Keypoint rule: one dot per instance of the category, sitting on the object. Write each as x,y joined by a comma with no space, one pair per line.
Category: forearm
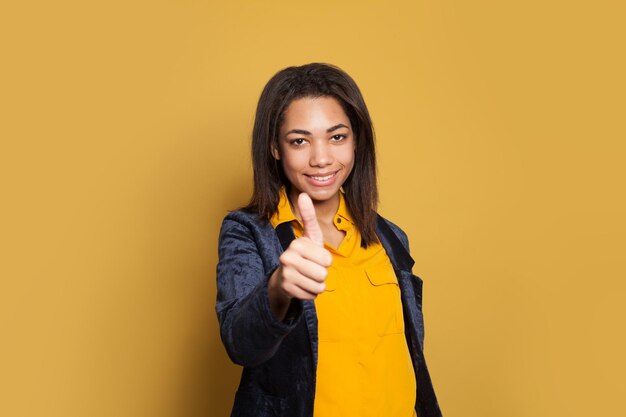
278,299
250,330
251,316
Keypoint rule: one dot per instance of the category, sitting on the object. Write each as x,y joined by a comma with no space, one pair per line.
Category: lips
322,179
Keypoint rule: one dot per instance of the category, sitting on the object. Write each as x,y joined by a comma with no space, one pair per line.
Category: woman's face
316,147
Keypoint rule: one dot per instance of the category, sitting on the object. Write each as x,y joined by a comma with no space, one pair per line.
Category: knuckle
325,257
324,273
287,276
286,258
297,244
289,289
318,273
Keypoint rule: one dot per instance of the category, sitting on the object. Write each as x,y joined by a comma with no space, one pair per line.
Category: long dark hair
314,80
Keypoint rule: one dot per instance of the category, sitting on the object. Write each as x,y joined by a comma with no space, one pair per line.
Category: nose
321,154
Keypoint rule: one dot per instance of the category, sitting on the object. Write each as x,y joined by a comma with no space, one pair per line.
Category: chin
322,195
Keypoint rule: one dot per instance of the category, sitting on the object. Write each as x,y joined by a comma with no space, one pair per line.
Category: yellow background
125,132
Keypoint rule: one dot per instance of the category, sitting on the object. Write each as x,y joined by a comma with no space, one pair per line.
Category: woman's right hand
303,266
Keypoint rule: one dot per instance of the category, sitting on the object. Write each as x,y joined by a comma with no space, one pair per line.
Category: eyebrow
306,132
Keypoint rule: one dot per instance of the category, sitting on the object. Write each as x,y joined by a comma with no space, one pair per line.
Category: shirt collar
284,213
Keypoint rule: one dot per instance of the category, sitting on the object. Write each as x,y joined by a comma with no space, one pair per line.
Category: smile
322,179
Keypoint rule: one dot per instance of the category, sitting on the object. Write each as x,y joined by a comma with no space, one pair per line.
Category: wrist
279,300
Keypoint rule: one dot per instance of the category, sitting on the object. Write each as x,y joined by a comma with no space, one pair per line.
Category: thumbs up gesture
303,266
312,228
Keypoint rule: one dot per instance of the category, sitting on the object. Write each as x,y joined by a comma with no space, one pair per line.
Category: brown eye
298,141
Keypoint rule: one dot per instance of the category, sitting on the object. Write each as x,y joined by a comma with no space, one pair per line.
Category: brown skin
303,266
316,149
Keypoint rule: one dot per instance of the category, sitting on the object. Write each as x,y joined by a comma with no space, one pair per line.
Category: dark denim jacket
280,358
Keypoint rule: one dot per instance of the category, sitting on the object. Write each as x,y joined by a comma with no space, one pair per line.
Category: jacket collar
398,254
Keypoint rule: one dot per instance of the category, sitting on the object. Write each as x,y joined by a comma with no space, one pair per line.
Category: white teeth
322,178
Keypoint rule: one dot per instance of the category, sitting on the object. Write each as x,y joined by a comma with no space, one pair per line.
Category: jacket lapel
410,285
402,264
285,236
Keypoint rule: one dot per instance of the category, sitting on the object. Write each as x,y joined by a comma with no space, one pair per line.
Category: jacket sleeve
248,328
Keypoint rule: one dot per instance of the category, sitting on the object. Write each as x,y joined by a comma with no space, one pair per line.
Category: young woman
316,299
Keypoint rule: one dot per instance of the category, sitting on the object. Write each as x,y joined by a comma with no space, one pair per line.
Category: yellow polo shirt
364,368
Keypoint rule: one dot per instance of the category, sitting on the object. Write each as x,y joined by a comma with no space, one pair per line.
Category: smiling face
316,148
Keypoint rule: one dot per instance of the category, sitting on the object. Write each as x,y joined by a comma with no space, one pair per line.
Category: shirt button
338,219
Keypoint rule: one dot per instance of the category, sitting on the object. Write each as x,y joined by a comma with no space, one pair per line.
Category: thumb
312,228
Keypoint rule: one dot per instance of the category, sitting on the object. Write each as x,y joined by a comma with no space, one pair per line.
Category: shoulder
243,217
245,226
243,220
396,230
244,236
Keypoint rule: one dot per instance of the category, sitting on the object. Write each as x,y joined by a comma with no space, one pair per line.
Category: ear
275,153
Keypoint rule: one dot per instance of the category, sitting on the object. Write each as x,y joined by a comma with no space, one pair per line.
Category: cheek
347,156
293,162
